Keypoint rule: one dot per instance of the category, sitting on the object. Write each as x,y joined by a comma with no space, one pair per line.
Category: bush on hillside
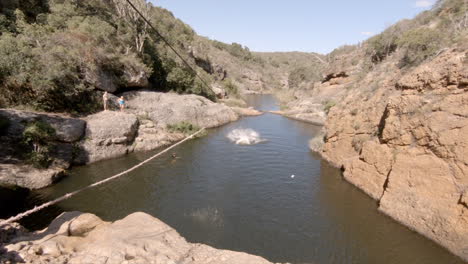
327,105
53,58
231,88
300,75
419,44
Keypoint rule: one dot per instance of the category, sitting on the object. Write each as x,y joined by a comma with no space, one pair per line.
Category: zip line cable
69,195
167,42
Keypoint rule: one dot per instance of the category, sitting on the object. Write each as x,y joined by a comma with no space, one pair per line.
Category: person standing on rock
105,98
121,102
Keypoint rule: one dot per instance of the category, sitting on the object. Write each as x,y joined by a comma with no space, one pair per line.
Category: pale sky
295,25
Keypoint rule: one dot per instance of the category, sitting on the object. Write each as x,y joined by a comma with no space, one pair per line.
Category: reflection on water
243,198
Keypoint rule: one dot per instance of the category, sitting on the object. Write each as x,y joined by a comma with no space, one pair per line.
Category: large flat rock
169,108
78,238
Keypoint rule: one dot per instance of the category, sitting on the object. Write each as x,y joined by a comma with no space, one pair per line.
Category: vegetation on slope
54,55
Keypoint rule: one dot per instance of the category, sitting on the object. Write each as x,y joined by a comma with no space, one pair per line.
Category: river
275,199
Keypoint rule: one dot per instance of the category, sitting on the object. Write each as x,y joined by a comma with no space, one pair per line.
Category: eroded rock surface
109,134
79,238
406,145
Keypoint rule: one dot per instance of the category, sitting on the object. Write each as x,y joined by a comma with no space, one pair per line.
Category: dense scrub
55,55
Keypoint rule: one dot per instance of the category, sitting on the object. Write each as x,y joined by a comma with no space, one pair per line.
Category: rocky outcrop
169,109
109,134
16,169
76,238
307,110
142,126
151,137
407,147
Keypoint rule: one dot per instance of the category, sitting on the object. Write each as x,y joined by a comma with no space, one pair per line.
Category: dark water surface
243,198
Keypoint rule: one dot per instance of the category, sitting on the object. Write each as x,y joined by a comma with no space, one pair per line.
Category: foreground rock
406,145
15,168
77,238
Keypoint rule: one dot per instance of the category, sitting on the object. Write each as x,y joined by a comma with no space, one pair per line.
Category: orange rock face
407,147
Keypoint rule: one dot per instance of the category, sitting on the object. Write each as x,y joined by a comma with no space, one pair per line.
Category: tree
126,12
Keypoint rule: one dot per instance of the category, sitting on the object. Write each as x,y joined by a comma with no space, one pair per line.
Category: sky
294,25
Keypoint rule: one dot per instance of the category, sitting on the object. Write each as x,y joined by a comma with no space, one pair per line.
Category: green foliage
183,127
237,50
328,105
301,75
39,134
231,88
40,160
382,45
419,44
53,57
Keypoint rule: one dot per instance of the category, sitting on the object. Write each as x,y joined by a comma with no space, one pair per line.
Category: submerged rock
138,238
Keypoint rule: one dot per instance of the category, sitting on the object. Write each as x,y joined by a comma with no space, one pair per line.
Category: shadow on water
244,198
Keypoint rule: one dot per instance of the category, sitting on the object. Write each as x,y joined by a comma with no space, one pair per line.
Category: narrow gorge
307,158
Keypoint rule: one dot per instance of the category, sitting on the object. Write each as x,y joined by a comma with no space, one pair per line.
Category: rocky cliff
395,114
84,238
407,147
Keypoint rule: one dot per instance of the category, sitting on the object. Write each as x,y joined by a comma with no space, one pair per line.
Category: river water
245,198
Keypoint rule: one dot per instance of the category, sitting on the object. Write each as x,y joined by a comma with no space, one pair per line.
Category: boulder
66,129
138,238
169,109
109,134
26,176
16,169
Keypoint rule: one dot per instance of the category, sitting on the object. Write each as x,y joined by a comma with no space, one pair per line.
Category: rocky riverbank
405,144
143,126
76,238
408,149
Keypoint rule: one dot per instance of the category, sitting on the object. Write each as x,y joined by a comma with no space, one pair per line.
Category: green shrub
39,135
183,127
231,88
40,160
328,105
419,44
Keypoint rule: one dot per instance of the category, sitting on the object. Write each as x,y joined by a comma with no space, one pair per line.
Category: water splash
245,136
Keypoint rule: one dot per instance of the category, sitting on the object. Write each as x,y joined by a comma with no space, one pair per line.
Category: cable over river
252,186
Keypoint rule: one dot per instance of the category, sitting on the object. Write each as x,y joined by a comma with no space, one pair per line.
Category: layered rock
406,145
76,238
15,169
